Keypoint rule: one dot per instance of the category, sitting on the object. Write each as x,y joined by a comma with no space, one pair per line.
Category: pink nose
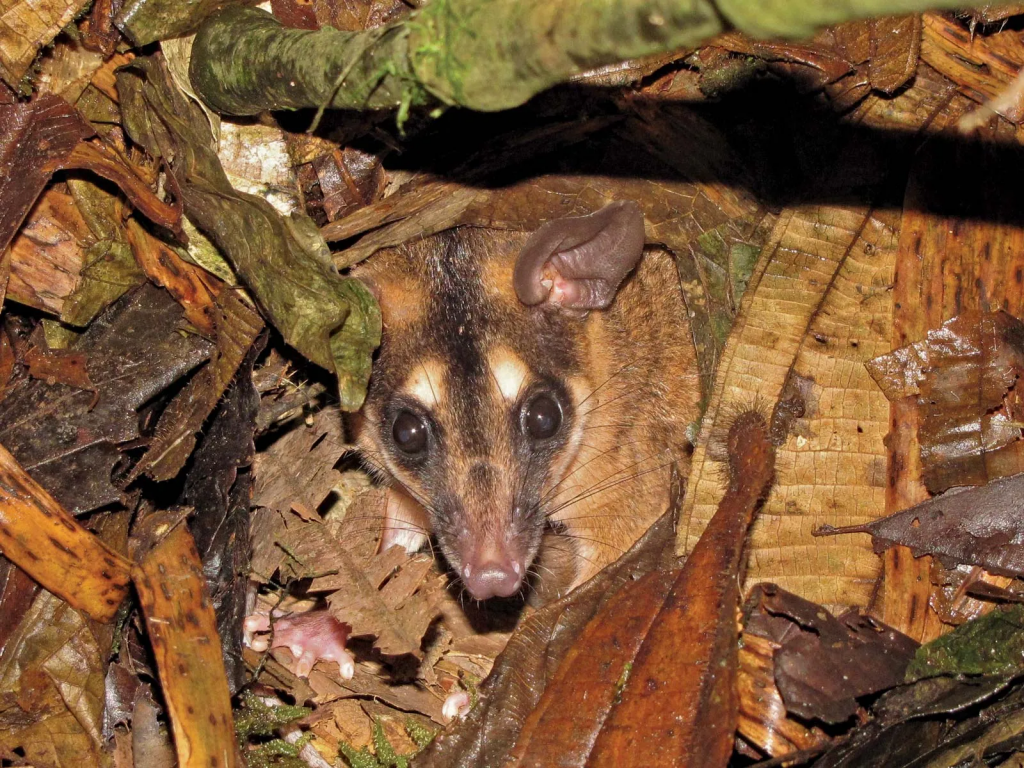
489,572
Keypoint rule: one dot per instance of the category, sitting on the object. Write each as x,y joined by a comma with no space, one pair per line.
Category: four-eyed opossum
524,381
527,382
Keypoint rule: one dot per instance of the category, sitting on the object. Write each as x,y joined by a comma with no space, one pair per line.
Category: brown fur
627,374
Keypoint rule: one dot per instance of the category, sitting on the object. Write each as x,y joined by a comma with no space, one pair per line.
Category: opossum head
475,402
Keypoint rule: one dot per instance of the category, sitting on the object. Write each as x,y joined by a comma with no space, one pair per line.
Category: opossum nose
491,572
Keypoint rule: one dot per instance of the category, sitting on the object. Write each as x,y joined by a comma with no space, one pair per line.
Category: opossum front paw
456,704
310,637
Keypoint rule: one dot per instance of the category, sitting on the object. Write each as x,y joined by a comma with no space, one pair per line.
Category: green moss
420,734
384,754
992,644
255,725
255,718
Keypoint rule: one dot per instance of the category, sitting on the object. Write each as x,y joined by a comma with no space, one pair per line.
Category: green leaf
332,320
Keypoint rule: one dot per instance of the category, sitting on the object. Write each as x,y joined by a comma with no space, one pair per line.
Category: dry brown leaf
66,69
105,79
7,361
305,549
35,139
191,286
896,44
379,684
969,413
297,471
349,179
102,160
990,14
982,66
817,309
828,467
49,545
60,365
977,526
236,327
762,717
51,687
950,261
183,631
25,27
47,253
98,30
5,273
824,663
354,15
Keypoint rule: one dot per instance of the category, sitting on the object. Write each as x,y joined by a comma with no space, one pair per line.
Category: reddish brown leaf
183,632
823,663
60,365
532,656
48,544
98,30
35,140
101,160
294,14
349,179
5,273
192,287
652,679
354,15
17,591
828,60
896,43
7,361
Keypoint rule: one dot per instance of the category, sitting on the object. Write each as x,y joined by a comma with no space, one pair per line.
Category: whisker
550,496
600,386
606,426
606,403
604,485
594,540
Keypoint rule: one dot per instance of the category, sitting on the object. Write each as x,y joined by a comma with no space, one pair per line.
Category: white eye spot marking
508,371
426,383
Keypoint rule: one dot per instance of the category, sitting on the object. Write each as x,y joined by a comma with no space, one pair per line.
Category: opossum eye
410,433
542,417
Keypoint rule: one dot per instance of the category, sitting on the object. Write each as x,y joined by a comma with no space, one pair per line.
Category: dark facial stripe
459,322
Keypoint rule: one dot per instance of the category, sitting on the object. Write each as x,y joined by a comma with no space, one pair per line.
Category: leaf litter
165,419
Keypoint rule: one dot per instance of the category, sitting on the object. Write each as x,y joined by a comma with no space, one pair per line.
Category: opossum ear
579,262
